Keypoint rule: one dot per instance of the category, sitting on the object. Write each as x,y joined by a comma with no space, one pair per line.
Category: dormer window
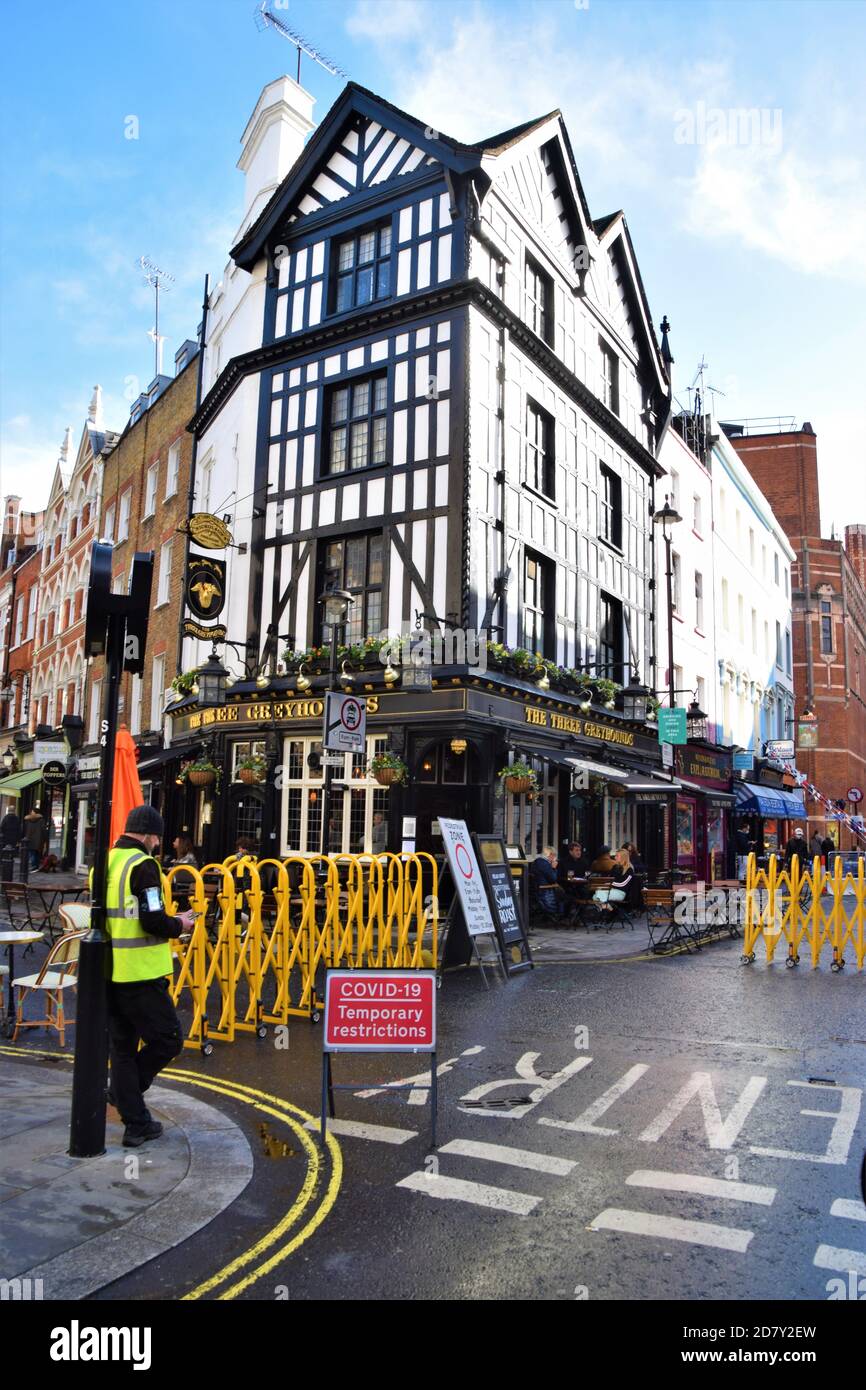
362,268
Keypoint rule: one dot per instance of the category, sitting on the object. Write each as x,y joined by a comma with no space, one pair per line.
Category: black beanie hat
144,820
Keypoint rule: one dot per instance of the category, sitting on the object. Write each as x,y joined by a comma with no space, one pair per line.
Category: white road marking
721,1134
844,1125
480,1195
418,1095
585,1122
352,1129
853,1210
644,1223
516,1158
705,1187
831,1257
525,1071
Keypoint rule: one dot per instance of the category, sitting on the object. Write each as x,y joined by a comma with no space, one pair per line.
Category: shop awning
723,798
649,783
617,774
160,756
14,785
769,801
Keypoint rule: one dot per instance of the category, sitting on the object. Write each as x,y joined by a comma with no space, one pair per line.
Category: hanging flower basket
202,773
388,768
518,778
252,770
201,778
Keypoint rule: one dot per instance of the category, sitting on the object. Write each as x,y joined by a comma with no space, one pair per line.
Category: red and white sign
345,723
380,1011
467,877
855,795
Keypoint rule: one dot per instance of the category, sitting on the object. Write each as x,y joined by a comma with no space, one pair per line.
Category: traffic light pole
116,629
90,1071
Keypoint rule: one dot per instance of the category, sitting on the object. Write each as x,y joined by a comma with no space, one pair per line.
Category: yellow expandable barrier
808,908
266,929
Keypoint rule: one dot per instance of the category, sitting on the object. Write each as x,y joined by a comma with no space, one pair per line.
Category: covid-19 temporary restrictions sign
380,1011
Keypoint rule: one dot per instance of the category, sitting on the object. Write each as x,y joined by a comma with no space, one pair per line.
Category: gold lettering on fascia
567,724
275,709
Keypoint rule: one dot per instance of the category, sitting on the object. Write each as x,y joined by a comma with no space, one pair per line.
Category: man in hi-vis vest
139,1004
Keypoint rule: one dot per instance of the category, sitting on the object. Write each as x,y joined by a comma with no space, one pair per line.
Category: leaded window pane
366,248
344,293
360,444
384,241
338,450
346,258
355,557
380,393
340,404
383,280
360,399
364,283
376,565
379,435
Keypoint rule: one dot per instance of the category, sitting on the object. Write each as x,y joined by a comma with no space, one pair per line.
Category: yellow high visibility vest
135,956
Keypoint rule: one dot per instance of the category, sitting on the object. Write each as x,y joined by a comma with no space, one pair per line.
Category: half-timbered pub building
430,380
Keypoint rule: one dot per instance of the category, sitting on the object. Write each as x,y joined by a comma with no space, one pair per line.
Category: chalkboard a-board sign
507,920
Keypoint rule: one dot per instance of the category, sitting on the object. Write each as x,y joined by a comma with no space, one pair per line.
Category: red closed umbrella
127,788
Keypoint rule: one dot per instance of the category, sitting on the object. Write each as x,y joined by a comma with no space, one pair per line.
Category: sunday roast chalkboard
502,896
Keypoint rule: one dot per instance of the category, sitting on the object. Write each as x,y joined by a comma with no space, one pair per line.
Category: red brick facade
829,615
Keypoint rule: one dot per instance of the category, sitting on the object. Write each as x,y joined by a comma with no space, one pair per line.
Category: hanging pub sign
215,633
205,585
207,530
54,774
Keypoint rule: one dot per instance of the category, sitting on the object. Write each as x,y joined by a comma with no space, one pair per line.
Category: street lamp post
667,517
335,607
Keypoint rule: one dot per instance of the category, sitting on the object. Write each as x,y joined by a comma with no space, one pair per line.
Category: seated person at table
625,881
636,862
603,863
183,884
573,872
547,888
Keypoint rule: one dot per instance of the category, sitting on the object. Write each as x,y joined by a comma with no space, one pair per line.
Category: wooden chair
59,973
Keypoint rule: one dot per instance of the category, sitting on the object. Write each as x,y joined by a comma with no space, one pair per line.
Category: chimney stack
855,549
272,142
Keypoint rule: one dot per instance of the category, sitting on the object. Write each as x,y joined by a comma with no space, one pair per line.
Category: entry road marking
480,1195
706,1187
517,1158
353,1129
853,1210
644,1223
829,1257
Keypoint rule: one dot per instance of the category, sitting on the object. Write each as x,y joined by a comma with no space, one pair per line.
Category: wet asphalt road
594,1210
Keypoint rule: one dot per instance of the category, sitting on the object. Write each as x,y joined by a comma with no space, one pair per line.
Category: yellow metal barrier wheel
791,961
206,1049
836,966
261,1031
315,1016
748,959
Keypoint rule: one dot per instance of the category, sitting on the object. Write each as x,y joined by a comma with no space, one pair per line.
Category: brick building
20,566
829,617
145,487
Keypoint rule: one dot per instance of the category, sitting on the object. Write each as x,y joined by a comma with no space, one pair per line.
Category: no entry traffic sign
345,723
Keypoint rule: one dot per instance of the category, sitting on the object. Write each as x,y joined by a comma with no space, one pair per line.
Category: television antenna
158,280
266,19
699,389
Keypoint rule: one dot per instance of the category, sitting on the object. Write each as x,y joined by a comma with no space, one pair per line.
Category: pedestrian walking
36,835
816,845
11,832
139,1006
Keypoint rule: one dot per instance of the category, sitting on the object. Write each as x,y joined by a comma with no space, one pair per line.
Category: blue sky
754,248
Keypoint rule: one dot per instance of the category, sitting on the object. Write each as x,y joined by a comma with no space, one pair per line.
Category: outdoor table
11,939
51,898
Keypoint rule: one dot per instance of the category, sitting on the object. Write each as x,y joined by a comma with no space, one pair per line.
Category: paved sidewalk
78,1224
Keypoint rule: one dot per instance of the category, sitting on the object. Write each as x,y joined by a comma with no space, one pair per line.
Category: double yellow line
311,1194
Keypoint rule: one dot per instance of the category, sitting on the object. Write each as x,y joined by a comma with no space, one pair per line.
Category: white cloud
390,21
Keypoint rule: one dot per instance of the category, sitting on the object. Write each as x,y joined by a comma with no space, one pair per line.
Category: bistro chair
59,973
74,917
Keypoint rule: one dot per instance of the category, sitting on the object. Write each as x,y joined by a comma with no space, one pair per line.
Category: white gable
607,288
367,154
531,184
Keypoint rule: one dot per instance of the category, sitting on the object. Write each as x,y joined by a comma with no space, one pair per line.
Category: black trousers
140,1011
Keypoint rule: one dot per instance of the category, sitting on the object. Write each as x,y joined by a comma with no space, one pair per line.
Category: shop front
454,740
768,811
704,807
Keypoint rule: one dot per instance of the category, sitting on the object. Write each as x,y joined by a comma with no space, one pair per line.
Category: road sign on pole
345,723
